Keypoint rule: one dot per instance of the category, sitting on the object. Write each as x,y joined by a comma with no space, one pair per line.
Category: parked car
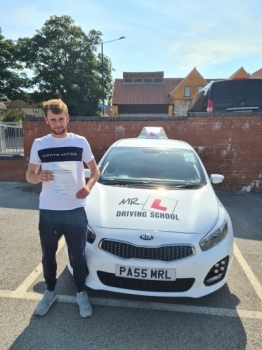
240,95
155,225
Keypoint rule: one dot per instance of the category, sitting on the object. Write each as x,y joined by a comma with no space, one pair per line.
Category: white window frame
187,91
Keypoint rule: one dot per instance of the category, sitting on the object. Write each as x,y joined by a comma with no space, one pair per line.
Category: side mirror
87,173
216,178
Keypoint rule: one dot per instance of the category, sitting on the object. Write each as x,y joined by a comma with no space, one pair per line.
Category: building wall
143,109
30,111
228,145
114,111
240,74
171,110
194,80
181,107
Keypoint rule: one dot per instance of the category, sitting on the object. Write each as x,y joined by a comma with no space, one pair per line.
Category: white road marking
37,271
249,273
211,311
21,293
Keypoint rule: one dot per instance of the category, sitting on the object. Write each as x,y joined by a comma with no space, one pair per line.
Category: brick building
150,93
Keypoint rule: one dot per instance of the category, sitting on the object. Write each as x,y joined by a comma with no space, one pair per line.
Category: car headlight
218,232
90,235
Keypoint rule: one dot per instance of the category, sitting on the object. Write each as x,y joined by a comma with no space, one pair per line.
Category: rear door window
237,91
199,103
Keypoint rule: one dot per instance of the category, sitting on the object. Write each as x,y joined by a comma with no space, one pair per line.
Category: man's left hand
83,192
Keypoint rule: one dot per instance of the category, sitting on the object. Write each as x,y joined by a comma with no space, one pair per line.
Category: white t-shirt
64,156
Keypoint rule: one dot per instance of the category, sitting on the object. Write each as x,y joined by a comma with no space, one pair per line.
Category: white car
155,225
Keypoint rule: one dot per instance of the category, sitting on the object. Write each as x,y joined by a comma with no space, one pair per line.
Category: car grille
163,253
179,285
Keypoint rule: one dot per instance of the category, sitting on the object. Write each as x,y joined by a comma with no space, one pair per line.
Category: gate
11,139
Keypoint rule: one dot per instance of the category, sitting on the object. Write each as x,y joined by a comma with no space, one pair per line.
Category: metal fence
11,139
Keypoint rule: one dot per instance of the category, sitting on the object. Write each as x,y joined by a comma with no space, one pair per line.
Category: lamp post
102,54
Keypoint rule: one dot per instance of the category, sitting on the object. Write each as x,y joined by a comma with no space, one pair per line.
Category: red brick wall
12,169
228,145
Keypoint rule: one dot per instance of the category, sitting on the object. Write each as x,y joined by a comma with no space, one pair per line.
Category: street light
102,53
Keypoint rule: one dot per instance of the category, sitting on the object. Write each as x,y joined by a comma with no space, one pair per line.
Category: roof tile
21,104
143,93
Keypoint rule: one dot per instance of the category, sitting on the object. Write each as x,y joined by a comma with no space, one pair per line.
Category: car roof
152,136
139,142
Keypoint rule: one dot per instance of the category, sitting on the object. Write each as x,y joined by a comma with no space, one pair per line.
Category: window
35,110
187,91
142,81
164,165
199,88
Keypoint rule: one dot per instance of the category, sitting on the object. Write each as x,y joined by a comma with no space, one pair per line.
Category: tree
64,61
13,115
13,80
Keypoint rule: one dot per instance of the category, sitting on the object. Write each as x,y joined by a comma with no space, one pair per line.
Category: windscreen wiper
191,185
118,182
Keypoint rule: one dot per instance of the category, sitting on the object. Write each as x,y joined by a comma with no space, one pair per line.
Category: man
56,160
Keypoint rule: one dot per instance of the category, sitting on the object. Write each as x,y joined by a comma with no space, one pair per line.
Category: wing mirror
216,178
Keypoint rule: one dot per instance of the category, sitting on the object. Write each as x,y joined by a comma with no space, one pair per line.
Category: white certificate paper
65,183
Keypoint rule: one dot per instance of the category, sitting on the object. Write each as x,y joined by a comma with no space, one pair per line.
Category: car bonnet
183,210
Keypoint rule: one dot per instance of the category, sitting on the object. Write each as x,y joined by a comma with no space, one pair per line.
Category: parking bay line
21,293
142,305
36,272
246,268
248,271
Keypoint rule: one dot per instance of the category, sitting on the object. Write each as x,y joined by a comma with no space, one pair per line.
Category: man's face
57,123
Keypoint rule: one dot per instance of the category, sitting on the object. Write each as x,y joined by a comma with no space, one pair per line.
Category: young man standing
60,155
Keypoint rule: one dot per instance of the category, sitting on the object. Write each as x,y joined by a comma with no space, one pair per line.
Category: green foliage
13,115
12,78
4,99
64,61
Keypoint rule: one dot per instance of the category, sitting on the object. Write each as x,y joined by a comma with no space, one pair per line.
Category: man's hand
46,176
94,175
34,177
83,192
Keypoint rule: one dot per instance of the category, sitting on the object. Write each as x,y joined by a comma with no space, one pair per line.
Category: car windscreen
165,166
237,90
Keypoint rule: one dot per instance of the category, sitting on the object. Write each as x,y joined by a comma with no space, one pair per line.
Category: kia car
155,224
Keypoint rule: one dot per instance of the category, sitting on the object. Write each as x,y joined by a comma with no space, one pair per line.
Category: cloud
205,52
168,35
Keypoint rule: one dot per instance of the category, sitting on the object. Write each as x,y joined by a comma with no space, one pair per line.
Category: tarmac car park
156,227
230,318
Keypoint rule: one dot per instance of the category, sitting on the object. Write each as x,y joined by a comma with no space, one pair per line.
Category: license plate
145,273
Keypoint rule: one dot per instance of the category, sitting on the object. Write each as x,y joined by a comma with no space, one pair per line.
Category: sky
173,36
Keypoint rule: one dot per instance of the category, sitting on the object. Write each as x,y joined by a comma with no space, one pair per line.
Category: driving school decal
155,207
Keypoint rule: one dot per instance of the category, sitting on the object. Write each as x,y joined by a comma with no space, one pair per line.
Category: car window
199,103
151,164
236,90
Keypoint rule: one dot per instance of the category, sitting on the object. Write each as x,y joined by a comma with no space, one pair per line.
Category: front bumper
191,271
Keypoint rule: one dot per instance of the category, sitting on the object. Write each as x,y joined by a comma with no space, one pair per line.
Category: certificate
64,184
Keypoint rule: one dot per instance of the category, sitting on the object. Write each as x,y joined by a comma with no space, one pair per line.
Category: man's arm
34,177
94,175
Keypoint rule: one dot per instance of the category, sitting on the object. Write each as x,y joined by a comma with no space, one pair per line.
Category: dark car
239,95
